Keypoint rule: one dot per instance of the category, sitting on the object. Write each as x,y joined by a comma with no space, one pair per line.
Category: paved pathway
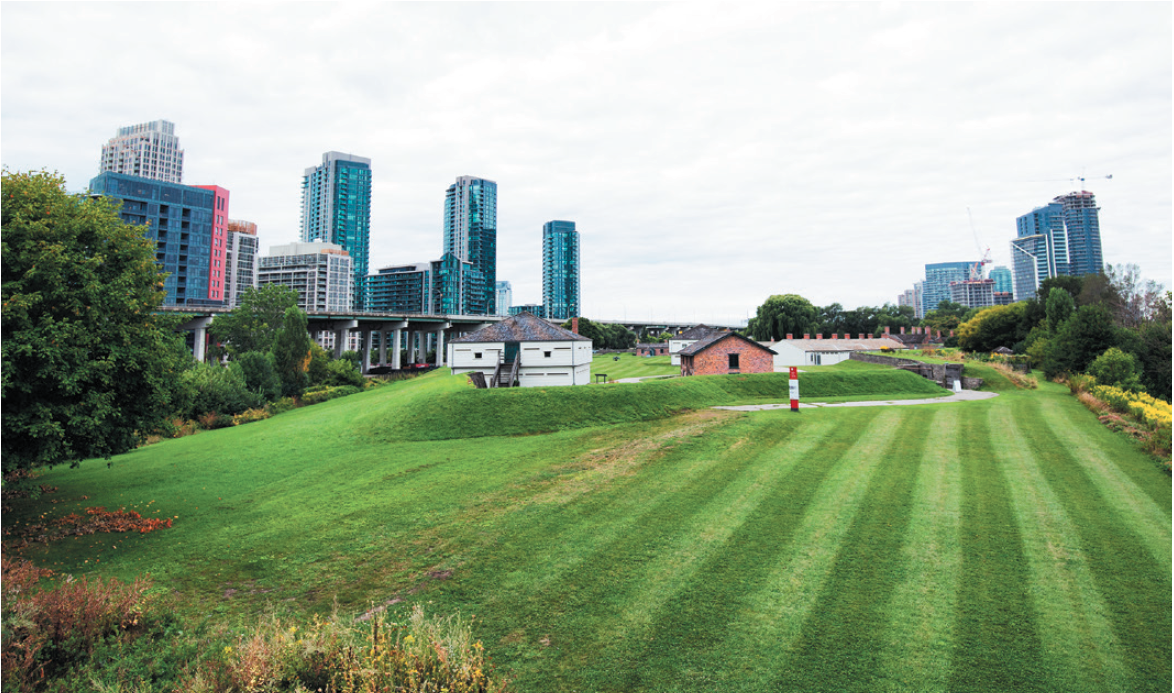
964,396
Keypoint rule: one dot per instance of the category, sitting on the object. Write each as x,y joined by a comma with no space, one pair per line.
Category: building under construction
973,293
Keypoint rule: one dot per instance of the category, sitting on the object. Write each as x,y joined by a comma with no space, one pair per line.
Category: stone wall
715,359
943,374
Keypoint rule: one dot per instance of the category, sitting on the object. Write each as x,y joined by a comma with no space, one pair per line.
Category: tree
260,374
1072,285
291,352
781,315
253,325
994,327
1059,307
88,368
1116,368
947,316
1079,340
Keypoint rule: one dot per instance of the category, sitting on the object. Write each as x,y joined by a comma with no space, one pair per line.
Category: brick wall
716,359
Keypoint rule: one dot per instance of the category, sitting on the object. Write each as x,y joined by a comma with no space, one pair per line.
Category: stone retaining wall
944,374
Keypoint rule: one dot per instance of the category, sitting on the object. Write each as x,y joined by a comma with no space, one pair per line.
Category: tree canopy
781,315
88,368
253,325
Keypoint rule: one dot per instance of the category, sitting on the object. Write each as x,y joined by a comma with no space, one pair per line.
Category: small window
546,354
476,354
733,361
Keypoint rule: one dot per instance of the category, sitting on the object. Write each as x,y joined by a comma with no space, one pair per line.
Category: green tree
260,374
1156,357
1072,285
947,316
1059,307
212,388
88,368
1116,368
781,315
253,325
994,327
291,352
1079,340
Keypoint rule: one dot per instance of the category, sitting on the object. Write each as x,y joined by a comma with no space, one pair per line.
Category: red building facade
726,352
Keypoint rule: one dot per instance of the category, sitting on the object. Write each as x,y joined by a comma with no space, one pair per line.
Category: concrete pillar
200,327
382,348
396,344
366,351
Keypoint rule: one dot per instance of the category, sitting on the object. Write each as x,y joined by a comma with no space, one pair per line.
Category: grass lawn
632,366
1010,544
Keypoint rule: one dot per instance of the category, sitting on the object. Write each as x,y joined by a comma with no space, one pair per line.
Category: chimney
575,325
902,329
789,336
819,335
806,336
887,329
951,333
870,335
861,336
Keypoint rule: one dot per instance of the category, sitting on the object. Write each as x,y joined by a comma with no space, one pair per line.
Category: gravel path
964,396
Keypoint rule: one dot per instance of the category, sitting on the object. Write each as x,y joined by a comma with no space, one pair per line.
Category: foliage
947,316
1070,284
254,324
1117,369
316,371
291,352
781,315
343,372
251,415
260,375
1079,341
994,327
87,367
352,357
1153,414
210,387
605,336
47,631
1060,306
1155,357
328,393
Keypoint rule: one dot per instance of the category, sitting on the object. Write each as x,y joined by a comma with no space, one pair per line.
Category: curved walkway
964,396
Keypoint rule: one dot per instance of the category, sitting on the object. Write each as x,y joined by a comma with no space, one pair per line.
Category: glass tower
560,270
470,234
336,208
148,150
1082,223
938,276
505,298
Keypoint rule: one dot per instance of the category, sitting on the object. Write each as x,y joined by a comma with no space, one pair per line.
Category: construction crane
1080,179
984,256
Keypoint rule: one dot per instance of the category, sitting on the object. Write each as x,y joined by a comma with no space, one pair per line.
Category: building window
546,354
733,362
476,354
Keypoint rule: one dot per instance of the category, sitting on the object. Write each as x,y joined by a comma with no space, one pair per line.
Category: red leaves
97,520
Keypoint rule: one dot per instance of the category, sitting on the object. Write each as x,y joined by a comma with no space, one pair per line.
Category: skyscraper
1040,249
560,270
1003,279
178,220
470,230
938,276
505,298
336,208
218,263
1082,223
241,260
148,150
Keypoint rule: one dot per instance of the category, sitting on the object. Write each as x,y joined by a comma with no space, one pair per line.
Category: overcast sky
711,155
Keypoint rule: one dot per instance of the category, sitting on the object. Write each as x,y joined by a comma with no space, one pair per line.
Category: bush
343,372
260,375
1117,369
251,415
329,393
48,631
209,387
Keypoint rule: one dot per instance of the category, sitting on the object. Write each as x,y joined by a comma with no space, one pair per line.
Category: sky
711,155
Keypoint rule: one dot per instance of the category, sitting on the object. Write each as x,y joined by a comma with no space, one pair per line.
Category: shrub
51,630
281,406
250,416
1116,368
211,387
260,375
213,420
1079,383
343,372
326,394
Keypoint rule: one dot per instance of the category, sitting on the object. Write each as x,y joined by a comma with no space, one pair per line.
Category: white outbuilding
825,352
523,351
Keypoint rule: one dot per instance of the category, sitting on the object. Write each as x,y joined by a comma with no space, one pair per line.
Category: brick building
726,352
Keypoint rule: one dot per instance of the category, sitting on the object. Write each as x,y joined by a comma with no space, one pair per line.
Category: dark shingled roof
699,332
523,327
714,338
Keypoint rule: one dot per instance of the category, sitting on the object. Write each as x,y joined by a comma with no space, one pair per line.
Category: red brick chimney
833,335
902,329
819,335
789,336
575,325
861,336
806,336
886,329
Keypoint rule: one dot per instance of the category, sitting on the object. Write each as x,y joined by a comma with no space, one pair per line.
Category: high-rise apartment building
1082,223
336,208
560,270
1003,279
218,262
148,150
178,219
320,272
447,286
470,230
1040,249
241,260
938,276
973,293
505,298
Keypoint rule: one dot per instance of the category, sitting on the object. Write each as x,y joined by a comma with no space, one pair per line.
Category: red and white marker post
794,389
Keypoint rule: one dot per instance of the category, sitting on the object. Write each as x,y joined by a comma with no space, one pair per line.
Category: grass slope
1007,544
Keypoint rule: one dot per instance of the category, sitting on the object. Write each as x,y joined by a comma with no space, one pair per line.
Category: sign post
794,389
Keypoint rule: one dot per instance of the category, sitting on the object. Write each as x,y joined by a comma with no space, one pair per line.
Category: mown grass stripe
922,631
1079,648
996,647
841,640
1149,521
690,642
708,530
771,617
1134,586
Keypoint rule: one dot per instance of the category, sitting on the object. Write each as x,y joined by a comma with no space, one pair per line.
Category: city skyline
812,148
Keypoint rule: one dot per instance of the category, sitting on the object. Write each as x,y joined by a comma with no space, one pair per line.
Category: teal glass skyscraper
1082,222
470,232
336,208
560,270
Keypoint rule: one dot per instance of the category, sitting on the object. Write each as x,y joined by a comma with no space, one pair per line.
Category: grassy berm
629,538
